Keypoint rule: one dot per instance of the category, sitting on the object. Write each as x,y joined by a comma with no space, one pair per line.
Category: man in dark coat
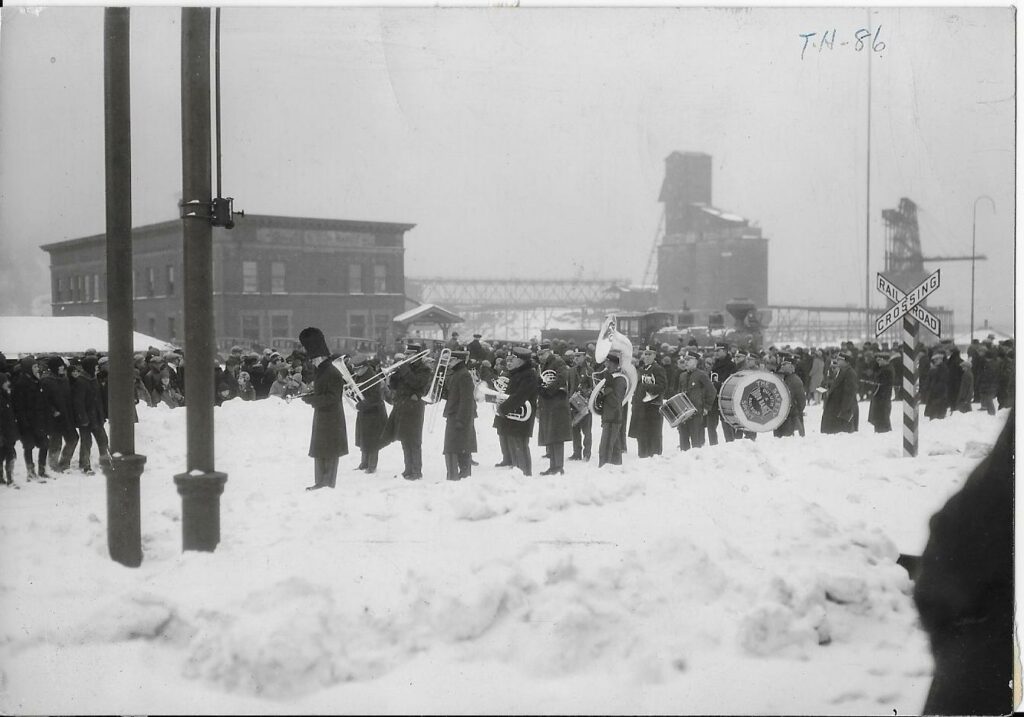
476,350
8,431
87,408
329,438
460,417
57,393
553,417
517,413
581,381
372,414
613,393
839,412
986,371
964,591
646,426
933,387
409,383
32,414
722,368
881,398
794,423
695,384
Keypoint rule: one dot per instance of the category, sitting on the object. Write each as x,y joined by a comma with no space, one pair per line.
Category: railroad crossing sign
907,307
908,303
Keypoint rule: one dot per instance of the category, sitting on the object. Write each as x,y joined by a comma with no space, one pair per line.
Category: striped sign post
907,307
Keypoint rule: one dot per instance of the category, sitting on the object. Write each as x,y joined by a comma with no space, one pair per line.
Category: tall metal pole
123,467
201,486
974,234
867,223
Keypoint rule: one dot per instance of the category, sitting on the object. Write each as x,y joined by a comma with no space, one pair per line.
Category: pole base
200,509
124,522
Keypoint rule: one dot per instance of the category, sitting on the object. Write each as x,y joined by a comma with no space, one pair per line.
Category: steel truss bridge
829,325
518,294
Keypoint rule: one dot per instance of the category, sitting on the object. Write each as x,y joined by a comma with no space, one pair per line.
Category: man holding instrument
697,387
409,383
329,438
646,426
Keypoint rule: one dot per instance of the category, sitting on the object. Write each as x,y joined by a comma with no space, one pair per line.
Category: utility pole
201,486
123,467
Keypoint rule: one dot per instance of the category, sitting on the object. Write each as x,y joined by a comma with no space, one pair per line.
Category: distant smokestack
687,182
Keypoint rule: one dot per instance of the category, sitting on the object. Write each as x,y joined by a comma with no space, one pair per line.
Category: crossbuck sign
907,307
908,303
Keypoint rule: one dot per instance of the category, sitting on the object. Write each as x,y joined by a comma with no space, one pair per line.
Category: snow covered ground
752,577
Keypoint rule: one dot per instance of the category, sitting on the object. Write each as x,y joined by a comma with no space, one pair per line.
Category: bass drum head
754,401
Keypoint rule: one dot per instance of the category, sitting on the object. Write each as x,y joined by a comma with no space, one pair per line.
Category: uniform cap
545,344
521,352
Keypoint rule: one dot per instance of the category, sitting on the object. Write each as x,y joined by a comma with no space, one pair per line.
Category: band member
721,369
523,388
581,381
554,419
881,399
460,416
30,410
839,411
501,384
646,426
328,439
62,431
409,383
694,382
372,414
613,393
794,423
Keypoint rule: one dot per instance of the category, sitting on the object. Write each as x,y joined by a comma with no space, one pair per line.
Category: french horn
609,338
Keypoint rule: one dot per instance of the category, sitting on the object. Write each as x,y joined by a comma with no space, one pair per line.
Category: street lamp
974,234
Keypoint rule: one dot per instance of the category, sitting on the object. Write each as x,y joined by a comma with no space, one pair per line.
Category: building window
280,326
171,328
150,282
380,278
170,280
152,325
357,325
381,326
277,277
250,277
86,288
59,291
79,288
96,287
355,279
251,327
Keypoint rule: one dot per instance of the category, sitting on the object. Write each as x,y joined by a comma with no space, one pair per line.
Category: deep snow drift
751,577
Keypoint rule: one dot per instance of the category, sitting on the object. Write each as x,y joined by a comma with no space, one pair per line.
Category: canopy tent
63,335
428,314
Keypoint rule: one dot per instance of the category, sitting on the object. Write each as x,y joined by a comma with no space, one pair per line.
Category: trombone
354,390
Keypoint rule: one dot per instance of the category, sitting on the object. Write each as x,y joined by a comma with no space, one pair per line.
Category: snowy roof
428,313
63,334
725,216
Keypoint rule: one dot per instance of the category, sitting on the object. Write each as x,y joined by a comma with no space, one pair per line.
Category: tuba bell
609,338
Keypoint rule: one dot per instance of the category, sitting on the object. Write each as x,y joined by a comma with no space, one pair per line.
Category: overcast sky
531,142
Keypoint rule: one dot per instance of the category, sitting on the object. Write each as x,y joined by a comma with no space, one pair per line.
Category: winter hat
54,363
89,365
27,361
312,339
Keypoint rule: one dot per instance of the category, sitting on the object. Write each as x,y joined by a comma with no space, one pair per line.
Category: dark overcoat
30,406
86,405
460,412
839,412
57,392
329,437
409,383
554,419
936,398
797,400
646,414
523,387
881,400
371,417
698,388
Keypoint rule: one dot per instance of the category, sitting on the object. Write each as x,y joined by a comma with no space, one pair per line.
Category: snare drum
677,409
579,407
754,400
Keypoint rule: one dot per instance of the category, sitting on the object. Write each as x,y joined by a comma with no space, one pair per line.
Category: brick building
272,276
707,256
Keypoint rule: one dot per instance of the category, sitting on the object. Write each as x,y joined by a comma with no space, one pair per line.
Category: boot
371,461
30,467
362,462
42,470
451,464
9,467
466,463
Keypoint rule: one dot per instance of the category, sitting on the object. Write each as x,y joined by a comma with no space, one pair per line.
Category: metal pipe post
122,468
974,234
201,486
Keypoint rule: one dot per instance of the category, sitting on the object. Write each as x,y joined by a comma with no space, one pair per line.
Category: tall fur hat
312,339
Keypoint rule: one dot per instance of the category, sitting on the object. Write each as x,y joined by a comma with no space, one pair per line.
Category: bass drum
754,401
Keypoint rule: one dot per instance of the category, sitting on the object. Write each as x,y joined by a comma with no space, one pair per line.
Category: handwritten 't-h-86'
827,40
